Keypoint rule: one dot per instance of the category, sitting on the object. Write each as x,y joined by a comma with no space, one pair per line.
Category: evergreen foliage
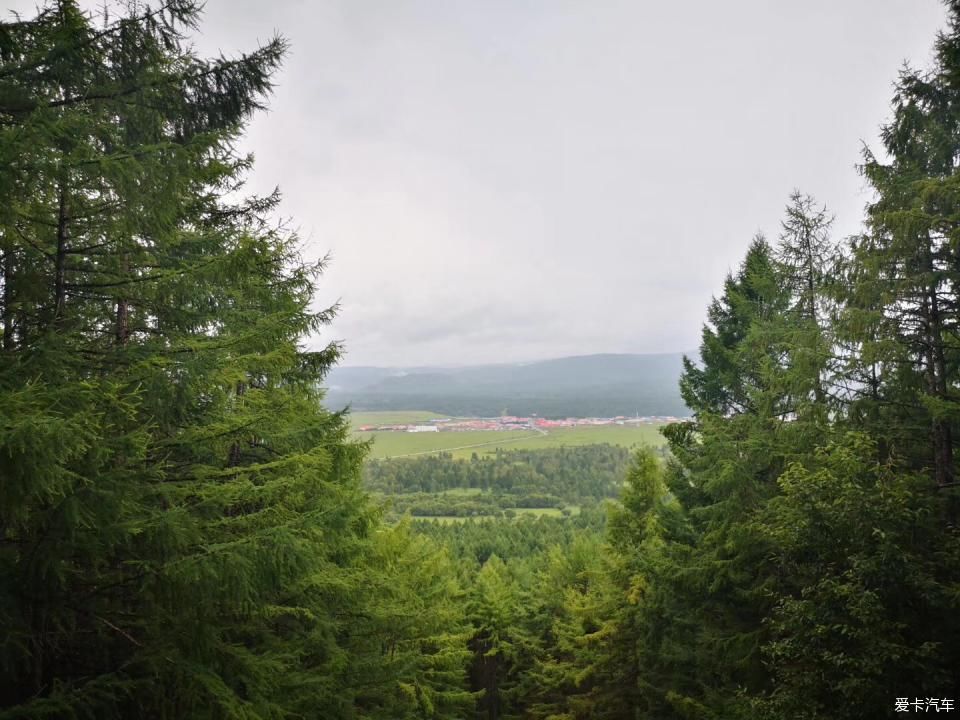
865,593
438,485
902,303
182,527
781,564
184,531
725,380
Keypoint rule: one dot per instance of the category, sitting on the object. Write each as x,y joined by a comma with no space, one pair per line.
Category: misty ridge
586,386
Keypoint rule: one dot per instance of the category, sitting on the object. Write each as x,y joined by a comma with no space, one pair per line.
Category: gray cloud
510,180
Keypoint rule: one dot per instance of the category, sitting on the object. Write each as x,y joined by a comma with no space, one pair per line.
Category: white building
423,428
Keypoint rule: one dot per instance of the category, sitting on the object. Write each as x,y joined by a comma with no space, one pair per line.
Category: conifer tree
650,667
181,524
723,382
500,643
408,632
567,616
865,587
805,261
904,304
758,405
804,255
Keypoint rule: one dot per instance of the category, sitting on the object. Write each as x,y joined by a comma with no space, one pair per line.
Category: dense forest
507,479
185,530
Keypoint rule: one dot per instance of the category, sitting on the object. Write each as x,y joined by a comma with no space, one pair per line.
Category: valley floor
463,444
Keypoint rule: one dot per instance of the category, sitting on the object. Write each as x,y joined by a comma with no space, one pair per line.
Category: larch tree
805,258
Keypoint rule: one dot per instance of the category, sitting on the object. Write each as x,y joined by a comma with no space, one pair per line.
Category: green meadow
394,417
462,444
400,444
519,512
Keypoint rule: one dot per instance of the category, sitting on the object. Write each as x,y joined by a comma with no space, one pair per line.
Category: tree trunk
941,432
123,308
60,261
7,299
234,457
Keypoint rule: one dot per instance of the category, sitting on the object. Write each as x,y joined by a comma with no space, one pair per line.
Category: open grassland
549,512
399,417
532,512
460,444
623,435
463,444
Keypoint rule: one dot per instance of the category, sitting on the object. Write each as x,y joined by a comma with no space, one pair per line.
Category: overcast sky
523,179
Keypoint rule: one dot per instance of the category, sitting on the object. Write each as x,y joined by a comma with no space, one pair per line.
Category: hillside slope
589,385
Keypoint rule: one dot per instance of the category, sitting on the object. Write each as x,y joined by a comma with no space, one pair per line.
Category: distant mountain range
583,386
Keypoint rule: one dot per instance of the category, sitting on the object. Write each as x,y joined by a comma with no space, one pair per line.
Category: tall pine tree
182,531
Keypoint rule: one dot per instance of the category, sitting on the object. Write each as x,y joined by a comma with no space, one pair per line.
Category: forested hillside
587,386
187,532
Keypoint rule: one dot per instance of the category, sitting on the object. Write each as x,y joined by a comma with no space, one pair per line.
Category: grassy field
533,512
463,444
550,512
400,417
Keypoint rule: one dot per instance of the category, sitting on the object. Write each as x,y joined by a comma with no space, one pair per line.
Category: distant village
510,422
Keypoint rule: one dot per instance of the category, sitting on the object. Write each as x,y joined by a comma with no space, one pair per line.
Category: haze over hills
581,386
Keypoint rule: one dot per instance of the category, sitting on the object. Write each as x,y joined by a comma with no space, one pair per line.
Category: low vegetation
399,417
464,445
